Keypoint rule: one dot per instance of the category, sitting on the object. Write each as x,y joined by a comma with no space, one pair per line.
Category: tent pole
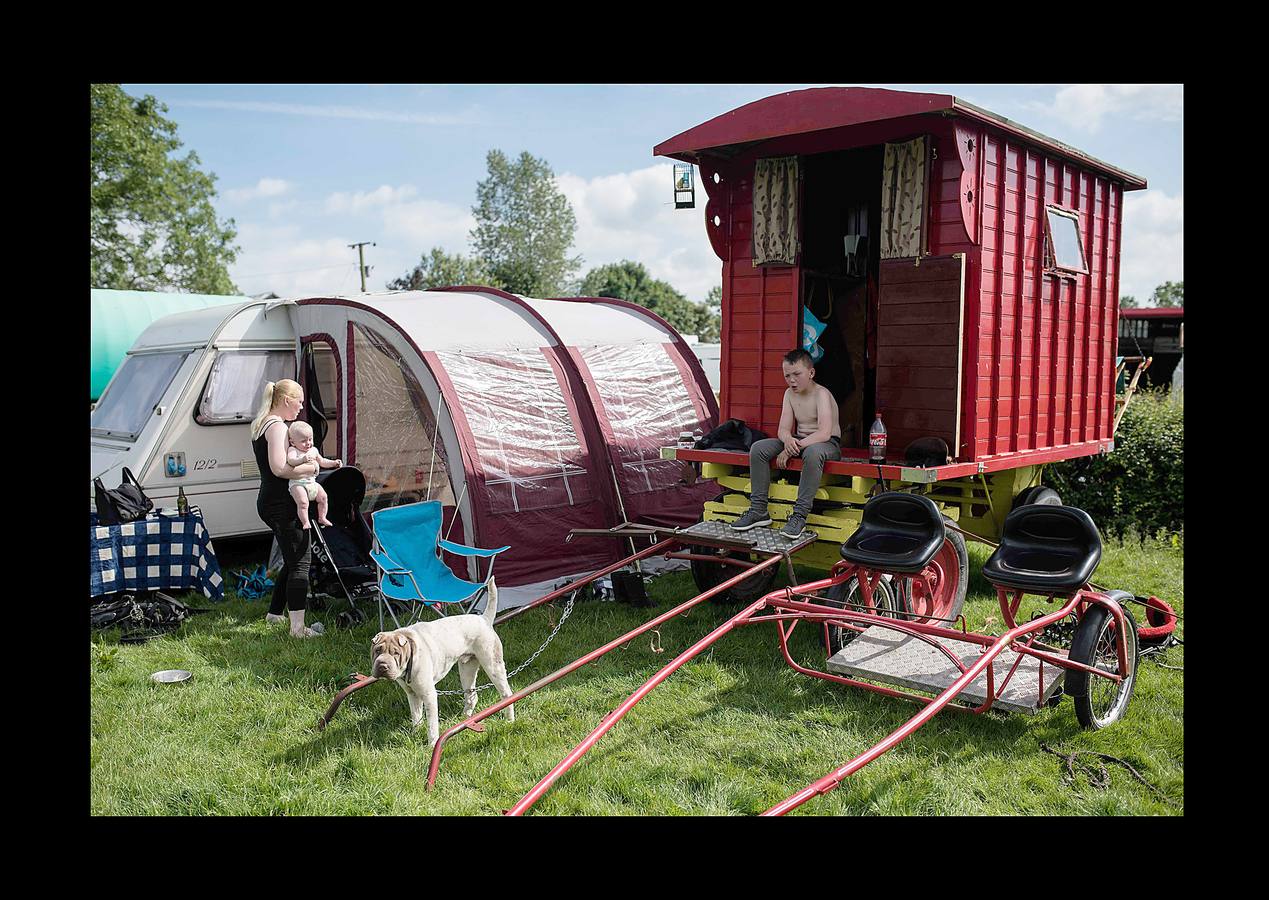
624,517
435,431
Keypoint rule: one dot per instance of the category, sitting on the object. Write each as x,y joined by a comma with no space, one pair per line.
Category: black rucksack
127,503
733,434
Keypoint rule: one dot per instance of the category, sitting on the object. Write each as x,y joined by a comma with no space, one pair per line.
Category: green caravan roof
119,317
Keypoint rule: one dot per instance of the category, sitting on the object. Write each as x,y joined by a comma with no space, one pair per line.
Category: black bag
925,452
733,434
127,503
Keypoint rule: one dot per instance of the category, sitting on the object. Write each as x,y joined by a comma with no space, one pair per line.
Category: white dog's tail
491,604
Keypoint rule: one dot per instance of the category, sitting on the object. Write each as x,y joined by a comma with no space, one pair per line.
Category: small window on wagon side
1065,249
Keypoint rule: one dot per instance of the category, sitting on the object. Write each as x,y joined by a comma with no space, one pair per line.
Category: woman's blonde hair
273,391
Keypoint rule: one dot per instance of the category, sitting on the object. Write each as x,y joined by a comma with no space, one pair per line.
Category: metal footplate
758,540
887,656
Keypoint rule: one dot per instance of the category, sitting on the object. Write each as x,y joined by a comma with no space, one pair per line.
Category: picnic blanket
161,552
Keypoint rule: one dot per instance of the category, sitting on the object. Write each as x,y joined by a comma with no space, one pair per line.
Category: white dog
420,655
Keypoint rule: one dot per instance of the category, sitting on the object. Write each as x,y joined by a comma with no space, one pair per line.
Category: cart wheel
1038,496
1099,702
847,592
711,574
948,574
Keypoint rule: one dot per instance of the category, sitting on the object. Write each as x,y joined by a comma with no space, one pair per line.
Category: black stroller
342,567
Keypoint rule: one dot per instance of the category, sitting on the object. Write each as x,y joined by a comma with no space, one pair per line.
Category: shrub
1140,487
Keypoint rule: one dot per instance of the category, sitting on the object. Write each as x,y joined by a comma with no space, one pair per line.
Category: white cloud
265,187
631,215
1153,242
314,257
281,259
360,201
424,224
1084,106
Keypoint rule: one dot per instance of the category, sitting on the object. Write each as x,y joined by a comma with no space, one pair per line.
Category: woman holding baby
282,462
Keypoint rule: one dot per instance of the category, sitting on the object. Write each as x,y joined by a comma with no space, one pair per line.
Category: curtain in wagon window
775,214
903,198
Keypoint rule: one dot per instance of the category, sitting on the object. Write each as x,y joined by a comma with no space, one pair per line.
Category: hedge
1139,488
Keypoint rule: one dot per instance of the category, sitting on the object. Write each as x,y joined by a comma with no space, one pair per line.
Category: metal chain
568,608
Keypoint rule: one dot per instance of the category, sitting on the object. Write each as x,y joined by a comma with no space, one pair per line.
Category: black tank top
273,490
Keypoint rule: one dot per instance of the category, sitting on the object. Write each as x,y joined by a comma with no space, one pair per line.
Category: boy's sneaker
795,527
751,519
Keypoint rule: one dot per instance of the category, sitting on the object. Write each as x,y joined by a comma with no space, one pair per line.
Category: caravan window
233,388
136,389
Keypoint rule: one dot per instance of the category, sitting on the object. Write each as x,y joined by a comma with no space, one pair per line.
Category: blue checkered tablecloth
158,553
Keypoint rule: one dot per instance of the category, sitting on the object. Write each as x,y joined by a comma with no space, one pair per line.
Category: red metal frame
784,607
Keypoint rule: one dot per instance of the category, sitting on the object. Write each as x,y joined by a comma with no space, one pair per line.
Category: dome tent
525,417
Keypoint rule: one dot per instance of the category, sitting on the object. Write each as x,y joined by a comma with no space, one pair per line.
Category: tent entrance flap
395,427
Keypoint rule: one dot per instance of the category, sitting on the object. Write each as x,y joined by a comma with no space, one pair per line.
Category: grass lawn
731,733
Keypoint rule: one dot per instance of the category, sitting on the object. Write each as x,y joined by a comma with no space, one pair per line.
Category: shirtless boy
306,488
808,429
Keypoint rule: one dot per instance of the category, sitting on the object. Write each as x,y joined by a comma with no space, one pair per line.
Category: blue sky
305,170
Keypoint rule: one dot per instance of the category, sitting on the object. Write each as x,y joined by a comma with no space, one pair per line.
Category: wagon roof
818,109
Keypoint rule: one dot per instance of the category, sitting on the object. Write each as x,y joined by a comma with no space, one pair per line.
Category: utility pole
361,255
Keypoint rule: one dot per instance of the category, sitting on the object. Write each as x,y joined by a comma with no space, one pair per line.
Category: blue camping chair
407,549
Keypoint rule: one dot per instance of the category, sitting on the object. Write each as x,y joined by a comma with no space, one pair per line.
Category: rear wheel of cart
948,577
1039,496
1100,702
839,595
711,574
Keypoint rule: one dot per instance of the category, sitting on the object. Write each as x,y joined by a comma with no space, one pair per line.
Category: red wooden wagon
967,270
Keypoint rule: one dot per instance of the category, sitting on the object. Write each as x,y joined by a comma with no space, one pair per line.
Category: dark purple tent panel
526,418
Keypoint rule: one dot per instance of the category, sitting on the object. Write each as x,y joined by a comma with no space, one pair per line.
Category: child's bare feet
324,521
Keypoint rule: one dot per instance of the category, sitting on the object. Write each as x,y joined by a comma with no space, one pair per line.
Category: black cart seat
1045,550
898,533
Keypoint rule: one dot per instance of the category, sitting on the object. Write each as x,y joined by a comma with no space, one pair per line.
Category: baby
307,488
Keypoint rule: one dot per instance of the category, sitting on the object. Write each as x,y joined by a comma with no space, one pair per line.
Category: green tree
627,280
152,223
1170,294
439,269
524,226
714,310
1128,301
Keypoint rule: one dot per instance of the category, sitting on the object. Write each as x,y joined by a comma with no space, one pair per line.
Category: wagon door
920,313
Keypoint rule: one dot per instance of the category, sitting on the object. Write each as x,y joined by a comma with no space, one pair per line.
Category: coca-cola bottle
877,441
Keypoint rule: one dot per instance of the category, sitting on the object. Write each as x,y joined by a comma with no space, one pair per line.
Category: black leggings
290,591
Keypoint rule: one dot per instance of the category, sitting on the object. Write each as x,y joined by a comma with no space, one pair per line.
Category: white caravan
178,410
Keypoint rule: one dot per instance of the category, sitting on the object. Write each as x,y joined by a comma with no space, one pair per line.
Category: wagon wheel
1038,495
1098,701
948,577
839,595
711,574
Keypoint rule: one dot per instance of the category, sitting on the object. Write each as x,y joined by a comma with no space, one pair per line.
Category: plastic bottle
182,502
877,441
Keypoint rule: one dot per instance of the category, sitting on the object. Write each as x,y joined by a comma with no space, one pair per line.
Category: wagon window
1065,249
